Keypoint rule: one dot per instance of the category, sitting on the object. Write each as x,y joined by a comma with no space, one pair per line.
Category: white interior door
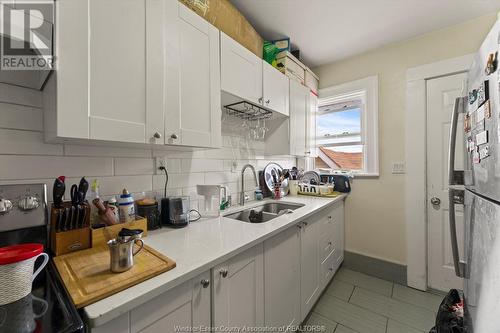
441,94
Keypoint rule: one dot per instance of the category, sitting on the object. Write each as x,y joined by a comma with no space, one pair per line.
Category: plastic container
294,186
212,200
16,270
126,207
258,194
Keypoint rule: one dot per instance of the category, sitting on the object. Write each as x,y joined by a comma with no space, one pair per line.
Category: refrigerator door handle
458,107
459,266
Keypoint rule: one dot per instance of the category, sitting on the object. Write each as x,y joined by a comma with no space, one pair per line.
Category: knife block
62,242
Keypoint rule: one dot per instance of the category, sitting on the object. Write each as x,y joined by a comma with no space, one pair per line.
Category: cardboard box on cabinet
224,16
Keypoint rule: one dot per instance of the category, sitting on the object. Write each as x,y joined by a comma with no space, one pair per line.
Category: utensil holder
64,239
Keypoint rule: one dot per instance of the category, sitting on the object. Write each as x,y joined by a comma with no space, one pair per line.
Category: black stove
48,309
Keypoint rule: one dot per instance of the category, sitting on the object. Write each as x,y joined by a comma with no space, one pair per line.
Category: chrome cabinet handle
174,136
330,243
157,135
267,102
205,283
435,201
299,226
305,223
223,273
261,99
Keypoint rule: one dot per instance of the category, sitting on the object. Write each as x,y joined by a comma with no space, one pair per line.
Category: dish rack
247,111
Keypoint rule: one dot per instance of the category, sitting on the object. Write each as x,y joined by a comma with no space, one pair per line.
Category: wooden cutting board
88,278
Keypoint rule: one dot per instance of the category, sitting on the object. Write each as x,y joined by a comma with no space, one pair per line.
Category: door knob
223,272
174,136
435,201
157,135
205,283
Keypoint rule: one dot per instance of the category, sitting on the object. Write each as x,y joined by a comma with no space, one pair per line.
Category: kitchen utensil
105,214
175,211
212,200
58,191
121,250
88,278
149,210
269,179
16,266
83,187
310,177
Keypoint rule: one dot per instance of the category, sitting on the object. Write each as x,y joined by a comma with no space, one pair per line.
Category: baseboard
375,267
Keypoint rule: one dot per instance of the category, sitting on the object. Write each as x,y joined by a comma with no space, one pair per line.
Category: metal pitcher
121,250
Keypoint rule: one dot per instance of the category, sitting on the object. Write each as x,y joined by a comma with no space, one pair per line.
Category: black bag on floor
447,320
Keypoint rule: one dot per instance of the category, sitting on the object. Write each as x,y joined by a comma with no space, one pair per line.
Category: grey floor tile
365,281
417,297
340,289
395,327
350,315
318,320
408,314
343,329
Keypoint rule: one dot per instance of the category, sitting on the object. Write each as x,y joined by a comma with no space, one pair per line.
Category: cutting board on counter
88,278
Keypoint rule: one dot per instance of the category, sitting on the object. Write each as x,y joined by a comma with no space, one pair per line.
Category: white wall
375,211
25,157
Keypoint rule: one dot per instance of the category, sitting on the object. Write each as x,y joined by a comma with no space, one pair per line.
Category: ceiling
330,30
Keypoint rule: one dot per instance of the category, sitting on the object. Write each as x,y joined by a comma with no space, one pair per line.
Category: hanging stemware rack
247,111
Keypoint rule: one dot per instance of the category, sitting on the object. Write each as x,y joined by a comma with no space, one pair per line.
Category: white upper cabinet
299,111
241,71
106,76
275,89
192,76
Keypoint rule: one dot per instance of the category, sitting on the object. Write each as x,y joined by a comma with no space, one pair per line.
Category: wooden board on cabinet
88,278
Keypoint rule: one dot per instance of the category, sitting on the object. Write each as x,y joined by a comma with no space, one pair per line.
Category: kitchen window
346,127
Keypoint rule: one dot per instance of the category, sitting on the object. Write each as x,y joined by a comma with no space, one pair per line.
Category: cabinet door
311,125
193,107
309,267
187,305
299,95
118,70
241,70
238,290
282,279
275,89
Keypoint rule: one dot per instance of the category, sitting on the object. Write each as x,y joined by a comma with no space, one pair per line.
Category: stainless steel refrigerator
480,264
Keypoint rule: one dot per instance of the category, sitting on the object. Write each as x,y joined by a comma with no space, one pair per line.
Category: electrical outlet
234,166
398,168
160,162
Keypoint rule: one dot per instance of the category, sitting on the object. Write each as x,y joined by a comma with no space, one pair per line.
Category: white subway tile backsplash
78,150
26,158
201,165
21,117
20,96
26,143
33,167
134,166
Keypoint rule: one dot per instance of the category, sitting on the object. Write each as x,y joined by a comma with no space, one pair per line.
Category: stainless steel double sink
265,212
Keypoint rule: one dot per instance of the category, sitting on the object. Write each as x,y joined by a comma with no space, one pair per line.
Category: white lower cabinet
238,290
309,265
273,284
187,305
282,279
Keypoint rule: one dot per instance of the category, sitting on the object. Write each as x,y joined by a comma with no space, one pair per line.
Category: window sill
366,175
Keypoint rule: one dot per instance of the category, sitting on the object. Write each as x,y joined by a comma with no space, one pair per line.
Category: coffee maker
175,212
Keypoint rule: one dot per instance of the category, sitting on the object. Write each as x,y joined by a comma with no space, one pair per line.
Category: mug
18,278
19,316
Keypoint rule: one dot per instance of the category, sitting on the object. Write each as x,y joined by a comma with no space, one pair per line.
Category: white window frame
369,119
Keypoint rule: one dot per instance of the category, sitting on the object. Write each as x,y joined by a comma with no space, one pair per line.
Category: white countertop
197,248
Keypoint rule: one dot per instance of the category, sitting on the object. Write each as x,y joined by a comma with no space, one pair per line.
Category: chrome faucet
242,196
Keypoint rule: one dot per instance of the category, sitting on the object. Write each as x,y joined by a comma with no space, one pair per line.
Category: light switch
398,168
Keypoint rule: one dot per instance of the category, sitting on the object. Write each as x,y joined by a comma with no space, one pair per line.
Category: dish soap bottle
126,207
94,194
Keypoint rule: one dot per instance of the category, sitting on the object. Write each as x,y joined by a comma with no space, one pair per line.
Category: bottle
126,207
258,194
113,206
